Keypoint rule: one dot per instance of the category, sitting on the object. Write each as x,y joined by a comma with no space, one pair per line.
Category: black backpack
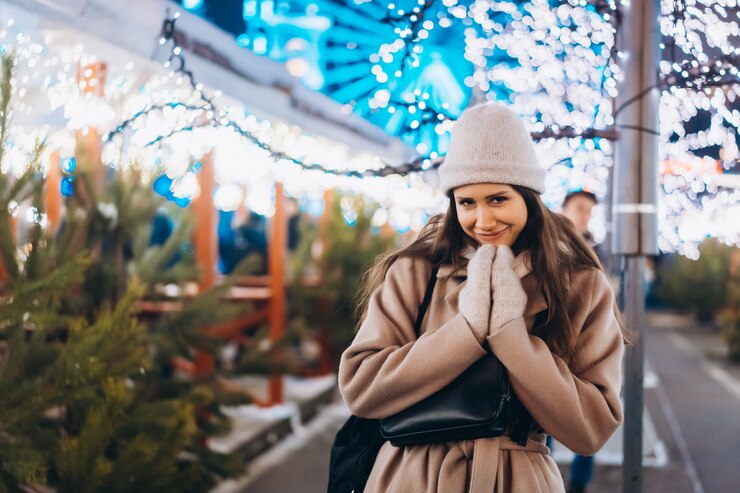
353,454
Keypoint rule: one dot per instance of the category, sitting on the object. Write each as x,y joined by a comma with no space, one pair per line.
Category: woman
504,261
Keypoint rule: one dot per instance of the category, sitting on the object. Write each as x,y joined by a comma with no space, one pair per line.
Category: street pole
634,203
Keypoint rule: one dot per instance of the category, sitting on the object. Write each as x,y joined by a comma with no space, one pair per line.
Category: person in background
236,243
578,206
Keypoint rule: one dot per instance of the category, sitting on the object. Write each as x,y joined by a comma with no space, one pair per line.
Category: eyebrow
497,194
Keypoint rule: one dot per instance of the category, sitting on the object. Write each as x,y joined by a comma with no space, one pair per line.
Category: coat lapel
535,298
455,281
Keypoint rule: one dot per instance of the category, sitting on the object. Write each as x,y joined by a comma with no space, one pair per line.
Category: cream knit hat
489,144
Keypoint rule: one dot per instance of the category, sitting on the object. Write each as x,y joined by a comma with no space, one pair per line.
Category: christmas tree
88,399
349,246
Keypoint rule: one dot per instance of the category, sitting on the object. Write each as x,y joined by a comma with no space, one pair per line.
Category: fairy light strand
218,119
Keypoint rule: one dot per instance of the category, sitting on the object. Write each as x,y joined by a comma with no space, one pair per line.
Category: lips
492,236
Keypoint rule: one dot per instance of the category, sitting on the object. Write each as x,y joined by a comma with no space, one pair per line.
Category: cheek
466,218
520,217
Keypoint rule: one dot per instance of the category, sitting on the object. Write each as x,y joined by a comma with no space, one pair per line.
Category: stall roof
264,86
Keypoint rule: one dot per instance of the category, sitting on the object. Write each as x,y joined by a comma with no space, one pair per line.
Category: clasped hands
493,295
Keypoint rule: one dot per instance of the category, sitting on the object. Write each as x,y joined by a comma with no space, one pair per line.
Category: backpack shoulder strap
425,303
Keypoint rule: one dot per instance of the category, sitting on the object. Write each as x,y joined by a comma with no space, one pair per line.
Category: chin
497,242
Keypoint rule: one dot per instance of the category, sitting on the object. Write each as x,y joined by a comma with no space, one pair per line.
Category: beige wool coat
387,369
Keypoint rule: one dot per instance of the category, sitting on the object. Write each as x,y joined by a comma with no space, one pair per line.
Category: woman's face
490,212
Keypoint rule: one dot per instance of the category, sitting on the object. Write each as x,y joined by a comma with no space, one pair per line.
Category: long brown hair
557,252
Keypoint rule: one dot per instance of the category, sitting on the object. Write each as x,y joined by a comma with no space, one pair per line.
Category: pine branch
7,67
29,296
133,470
82,463
20,463
34,266
154,264
113,346
29,182
179,333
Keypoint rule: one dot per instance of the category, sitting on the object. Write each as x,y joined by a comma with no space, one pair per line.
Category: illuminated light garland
590,157
234,152
533,87
237,162
699,198
412,28
210,115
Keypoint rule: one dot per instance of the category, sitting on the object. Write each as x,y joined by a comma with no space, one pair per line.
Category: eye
465,202
499,200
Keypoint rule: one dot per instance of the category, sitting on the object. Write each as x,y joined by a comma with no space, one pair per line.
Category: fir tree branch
7,67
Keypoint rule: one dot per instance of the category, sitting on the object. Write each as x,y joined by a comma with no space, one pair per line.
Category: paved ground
695,408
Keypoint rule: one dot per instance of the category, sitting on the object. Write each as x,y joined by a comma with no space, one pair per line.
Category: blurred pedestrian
578,206
515,279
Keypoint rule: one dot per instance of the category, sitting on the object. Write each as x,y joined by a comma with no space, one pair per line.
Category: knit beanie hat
489,144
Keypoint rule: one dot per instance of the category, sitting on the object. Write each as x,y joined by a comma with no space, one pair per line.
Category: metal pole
609,260
634,203
633,304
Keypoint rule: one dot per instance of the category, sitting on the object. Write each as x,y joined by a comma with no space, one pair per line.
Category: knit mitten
474,302
509,298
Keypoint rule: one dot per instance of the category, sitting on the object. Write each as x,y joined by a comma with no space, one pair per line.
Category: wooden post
387,231
88,152
91,78
205,244
91,83
325,215
205,241
52,193
88,155
276,267
13,226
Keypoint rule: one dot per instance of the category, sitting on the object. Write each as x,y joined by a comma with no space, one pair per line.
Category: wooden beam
325,215
88,152
276,266
53,194
91,78
205,241
205,244
233,328
13,226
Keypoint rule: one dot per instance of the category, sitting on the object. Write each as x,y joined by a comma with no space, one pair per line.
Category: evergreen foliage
88,398
698,286
348,250
730,317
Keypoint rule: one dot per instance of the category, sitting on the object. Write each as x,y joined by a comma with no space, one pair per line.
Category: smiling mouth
492,236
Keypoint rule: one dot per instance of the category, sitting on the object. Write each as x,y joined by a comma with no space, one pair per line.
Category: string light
209,114
168,107
538,59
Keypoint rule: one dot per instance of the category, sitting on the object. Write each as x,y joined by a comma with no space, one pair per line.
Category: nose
486,218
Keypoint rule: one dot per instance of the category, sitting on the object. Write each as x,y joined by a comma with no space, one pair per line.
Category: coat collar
522,266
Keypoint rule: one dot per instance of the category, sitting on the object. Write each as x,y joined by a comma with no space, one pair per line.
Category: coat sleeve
578,404
386,369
